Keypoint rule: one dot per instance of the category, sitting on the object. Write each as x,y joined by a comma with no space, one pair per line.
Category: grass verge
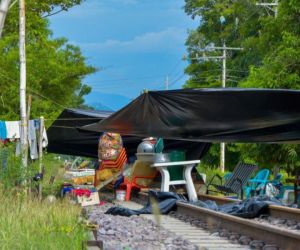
26,224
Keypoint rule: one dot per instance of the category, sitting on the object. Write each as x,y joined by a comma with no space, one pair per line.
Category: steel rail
274,211
284,239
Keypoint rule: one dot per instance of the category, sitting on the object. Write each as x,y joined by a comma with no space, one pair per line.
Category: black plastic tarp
210,115
65,137
166,202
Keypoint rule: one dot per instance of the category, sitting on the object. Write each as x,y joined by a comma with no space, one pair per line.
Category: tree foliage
270,59
55,68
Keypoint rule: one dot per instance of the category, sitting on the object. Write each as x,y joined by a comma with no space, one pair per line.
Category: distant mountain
106,101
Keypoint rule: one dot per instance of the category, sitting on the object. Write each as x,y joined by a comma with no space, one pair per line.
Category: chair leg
128,191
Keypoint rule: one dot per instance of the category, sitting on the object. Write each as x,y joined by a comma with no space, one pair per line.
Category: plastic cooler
176,172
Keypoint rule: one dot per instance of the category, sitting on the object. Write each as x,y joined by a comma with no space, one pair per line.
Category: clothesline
11,130
74,119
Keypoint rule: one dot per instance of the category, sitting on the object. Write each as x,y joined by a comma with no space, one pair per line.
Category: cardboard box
93,199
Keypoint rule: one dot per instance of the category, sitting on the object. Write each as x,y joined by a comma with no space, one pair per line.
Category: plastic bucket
120,195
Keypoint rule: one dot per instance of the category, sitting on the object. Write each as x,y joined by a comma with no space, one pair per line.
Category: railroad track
284,239
271,235
209,229
204,239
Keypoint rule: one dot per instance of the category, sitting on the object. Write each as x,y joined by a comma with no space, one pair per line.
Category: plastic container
120,195
176,172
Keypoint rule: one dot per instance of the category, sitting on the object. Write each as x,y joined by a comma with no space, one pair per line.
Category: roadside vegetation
270,59
30,224
26,222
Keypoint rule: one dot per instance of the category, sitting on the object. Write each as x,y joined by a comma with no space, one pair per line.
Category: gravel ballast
135,232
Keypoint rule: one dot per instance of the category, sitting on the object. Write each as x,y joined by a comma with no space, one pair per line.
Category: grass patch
26,224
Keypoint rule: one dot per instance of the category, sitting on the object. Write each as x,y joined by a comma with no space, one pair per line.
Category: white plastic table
187,176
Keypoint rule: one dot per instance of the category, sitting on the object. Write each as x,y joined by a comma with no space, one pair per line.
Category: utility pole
271,6
224,60
4,6
167,83
22,54
224,48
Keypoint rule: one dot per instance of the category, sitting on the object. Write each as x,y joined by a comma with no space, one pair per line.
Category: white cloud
168,39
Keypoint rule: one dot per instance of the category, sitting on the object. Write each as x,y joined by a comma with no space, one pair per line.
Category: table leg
189,183
296,193
165,179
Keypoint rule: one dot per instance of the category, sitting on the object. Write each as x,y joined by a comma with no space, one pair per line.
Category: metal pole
41,154
224,66
22,53
222,145
4,5
28,117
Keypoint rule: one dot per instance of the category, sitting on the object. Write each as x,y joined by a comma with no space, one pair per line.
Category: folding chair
234,184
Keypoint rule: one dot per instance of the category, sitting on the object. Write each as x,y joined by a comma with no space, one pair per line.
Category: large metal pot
145,147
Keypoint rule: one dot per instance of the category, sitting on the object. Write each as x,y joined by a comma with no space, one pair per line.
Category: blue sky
134,43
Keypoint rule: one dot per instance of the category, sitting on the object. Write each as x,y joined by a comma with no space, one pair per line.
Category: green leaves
55,69
270,59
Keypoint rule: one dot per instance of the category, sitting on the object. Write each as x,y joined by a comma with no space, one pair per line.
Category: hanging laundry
45,138
13,129
32,140
3,132
37,124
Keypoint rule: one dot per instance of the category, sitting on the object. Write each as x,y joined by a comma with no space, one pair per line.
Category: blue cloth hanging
3,132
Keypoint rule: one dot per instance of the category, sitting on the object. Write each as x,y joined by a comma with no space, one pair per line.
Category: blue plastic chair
258,182
227,176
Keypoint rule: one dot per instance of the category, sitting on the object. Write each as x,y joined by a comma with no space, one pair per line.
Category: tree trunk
4,5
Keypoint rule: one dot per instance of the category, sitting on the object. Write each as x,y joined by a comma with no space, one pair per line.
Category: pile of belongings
80,172
80,176
112,157
79,185
82,194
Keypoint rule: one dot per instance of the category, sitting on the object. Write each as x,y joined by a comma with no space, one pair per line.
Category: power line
47,98
176,80
127,79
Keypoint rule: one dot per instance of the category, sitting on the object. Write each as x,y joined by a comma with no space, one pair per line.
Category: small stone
234,236
291,223
110,232
270,247
281,221
244,240
257,244
215,234
224,233
168,241
102,231
137,238
264,216
170,247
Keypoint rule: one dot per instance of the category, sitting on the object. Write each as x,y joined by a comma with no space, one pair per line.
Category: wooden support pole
42,121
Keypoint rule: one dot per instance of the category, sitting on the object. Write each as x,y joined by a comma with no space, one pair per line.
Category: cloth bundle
110,146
